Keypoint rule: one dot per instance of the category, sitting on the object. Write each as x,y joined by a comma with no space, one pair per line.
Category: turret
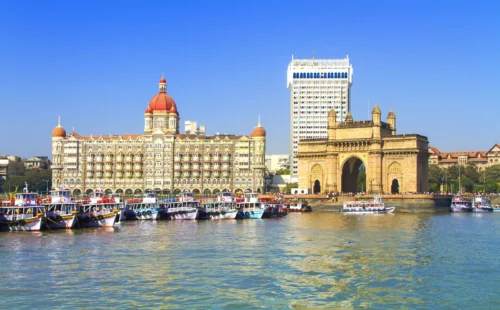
348,118
376,121
391,120
332,125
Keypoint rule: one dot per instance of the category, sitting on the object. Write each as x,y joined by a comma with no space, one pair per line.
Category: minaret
332,125
376,121
391,119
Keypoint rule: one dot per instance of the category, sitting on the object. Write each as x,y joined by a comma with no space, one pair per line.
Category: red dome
163,80
148,110
258,132
162,102
58,132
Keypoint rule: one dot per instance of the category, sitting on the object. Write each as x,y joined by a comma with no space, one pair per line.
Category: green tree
35,179
493,173
471,173
289,186
362,181
283,172
436,174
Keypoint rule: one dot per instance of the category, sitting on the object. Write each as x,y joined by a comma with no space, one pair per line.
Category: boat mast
459,179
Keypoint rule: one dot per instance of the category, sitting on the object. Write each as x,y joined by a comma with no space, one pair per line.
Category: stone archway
350,173
395,186
316,178
317,187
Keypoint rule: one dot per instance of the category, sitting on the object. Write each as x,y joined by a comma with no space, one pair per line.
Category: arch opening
395,186
317,187
353,176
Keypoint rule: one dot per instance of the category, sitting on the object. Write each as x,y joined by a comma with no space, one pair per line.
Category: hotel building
160,159
316,86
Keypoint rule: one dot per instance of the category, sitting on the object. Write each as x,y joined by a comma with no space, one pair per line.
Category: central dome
162,101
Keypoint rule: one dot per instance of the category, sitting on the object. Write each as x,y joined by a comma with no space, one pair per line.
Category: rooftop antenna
314,55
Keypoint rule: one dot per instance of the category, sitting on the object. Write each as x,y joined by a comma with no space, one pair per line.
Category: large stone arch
349,170
394,177
317,178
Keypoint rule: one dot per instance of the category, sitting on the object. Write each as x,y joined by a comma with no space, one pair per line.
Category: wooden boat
377,205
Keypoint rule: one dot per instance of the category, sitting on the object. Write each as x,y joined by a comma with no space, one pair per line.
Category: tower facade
316,87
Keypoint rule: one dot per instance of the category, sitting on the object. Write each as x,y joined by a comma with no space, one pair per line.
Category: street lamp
47,187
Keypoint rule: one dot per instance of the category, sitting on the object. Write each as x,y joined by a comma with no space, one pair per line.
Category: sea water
318,259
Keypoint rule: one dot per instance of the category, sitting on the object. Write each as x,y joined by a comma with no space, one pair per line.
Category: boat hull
87,220
460,209
182,215
481,210
64,222
380,211
254,214
219,215
32,224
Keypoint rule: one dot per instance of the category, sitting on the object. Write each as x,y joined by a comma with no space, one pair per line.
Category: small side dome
391,114
376,110
58,132
148,110
332,113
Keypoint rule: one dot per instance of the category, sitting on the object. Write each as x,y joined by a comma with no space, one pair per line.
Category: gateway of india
159,160
394,163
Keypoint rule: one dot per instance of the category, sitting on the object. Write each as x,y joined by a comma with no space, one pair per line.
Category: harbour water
318,259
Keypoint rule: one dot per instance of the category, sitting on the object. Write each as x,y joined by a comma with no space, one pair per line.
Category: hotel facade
316,87
159,160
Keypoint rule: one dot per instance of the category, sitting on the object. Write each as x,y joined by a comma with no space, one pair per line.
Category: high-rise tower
316,86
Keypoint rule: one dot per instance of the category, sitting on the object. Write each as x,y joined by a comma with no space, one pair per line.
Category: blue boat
141,208
250,208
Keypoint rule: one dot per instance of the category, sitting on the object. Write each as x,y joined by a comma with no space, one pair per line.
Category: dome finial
59,121
258,125
163,84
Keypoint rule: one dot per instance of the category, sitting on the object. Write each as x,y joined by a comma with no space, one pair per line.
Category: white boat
496,208
98,210
145,207
184,207
222,207
60,211
27,217
481,204
377,205
460,204
250,207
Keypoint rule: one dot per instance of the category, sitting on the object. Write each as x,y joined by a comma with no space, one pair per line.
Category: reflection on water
324,259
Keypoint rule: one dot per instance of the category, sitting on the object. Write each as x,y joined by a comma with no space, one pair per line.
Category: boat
219,208
460,204
481,204
377,205
272,210
60,211
496,207
26,216
184,207
145,207
250,208
99,210
294,206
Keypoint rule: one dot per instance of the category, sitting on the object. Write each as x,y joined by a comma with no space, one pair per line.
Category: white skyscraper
316,86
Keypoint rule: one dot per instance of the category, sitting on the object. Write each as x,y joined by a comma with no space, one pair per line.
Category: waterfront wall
414,203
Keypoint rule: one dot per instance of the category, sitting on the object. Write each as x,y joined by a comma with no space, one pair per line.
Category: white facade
316,86
276,162
191,128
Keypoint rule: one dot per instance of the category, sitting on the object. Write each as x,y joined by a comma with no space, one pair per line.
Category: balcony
119,159
128,159
128,167
129,174
195,167
90,159
186,158
138,159
177,174
225,167
206,158
108,168
108,174
226,159
137,167
98,159
108,159
186,166
89,167
177,159
119,174
215,173
225,174
99,174
90,174
207,168
98,167
215,167
195,159
216,158
196,173
186,174
137,174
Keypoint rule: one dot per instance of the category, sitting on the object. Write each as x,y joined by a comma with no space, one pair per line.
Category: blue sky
97,64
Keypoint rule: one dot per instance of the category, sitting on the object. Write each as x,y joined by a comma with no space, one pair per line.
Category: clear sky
97,64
